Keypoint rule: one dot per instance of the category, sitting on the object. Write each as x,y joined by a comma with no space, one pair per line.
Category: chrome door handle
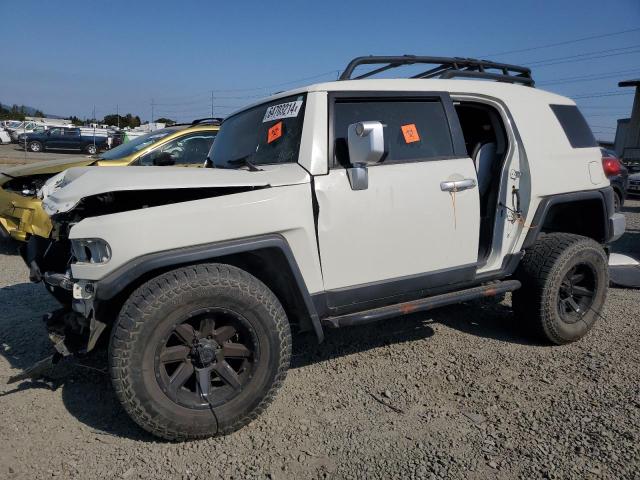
458,185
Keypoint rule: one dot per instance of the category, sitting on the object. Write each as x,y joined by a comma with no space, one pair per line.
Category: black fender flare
604,195
118,280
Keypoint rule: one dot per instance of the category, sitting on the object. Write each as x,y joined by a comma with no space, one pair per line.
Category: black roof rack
445,67
208,120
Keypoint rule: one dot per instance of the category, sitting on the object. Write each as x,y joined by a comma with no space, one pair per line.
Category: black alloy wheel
577,291
207,358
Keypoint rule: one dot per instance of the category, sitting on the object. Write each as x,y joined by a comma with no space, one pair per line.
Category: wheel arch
269,258
586,213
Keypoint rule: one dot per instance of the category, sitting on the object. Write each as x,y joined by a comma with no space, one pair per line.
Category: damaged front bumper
73,329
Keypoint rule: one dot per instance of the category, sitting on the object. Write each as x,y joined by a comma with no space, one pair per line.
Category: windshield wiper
244,162
7,175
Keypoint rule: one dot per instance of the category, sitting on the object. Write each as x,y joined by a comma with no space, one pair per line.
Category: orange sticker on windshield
274,132
410,133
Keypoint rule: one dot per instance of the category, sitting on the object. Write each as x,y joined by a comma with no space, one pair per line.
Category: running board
421,305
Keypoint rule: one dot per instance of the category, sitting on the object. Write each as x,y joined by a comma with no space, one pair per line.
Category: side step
421,305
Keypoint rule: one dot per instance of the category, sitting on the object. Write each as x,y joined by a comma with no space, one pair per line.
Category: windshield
135,145
266,134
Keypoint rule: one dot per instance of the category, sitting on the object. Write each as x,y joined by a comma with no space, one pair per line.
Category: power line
586,78
587,54
595,57
603,94
567,42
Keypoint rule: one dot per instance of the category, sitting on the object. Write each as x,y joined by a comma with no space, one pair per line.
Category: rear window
414,129
575,126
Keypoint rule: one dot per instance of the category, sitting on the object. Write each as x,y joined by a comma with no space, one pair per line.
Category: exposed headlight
91,250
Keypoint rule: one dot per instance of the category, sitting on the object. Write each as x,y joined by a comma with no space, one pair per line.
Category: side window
72,132
575,126
414,130
55,132
189,149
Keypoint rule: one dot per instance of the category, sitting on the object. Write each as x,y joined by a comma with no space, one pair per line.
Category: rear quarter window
575,126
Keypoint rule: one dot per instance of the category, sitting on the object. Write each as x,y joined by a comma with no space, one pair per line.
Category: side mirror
366,147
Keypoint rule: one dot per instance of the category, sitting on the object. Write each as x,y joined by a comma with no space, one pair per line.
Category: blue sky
66,57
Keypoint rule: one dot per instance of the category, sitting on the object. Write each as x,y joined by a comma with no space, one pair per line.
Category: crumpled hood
63,192
48,166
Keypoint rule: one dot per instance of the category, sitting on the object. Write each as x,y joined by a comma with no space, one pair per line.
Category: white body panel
285,210
402,225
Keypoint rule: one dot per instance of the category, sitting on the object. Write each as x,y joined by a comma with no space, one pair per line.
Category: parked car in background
10,123
23,127
21,213
4,136
634,184
617,174
64,139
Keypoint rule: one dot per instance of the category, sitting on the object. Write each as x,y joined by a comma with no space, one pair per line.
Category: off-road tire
542,271
35,147
617,201
151,306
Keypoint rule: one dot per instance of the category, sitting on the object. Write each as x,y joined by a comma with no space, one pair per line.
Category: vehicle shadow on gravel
86,388
488,320
9,247
628,244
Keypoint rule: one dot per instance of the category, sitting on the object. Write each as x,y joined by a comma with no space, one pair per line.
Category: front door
407,233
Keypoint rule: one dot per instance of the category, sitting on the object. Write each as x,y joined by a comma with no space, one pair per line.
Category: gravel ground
455,393
12,154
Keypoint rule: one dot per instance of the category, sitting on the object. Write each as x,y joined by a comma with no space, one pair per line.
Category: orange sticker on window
274,132
410,133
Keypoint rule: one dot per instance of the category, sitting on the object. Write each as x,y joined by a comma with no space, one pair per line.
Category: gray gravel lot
459,393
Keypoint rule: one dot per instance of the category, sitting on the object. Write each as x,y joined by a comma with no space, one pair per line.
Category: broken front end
74,329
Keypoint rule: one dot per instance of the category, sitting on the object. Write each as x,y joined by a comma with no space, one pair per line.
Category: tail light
611,166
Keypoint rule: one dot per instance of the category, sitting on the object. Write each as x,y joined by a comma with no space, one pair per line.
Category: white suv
332,205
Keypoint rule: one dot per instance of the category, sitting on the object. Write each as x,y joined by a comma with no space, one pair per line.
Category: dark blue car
70,139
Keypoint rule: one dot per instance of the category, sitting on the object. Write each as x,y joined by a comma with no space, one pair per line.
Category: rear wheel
91,149
564,285
617,201
199,351
35,146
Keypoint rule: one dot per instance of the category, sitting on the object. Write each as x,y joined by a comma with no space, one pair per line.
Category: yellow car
21,213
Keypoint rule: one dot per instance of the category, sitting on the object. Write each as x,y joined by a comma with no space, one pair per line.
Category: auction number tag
410,133
274,132
282,110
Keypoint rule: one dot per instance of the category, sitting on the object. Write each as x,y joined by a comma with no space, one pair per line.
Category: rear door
72,139
407,233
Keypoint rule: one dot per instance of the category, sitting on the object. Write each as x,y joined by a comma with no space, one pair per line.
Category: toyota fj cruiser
328,206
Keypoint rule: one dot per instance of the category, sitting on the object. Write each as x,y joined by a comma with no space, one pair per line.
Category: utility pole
118,115
94,128
211,103
152,105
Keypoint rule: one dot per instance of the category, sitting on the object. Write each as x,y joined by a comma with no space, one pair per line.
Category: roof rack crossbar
447,67
213,120
377,70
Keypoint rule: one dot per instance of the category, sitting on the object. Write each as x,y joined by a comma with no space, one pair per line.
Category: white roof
501,90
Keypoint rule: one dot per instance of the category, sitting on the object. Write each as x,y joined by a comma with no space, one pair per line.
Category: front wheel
199,351
564,285
35,147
